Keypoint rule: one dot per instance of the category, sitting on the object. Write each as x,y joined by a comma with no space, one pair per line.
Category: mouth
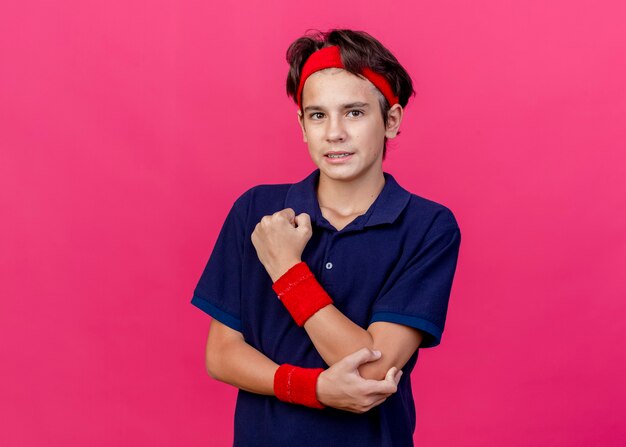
338,158
337,155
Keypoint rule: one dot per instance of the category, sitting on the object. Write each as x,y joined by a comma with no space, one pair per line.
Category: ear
394,118
301,122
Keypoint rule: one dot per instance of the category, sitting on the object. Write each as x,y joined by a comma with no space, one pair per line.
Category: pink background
128,128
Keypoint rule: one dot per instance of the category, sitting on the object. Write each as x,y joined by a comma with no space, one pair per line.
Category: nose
335,129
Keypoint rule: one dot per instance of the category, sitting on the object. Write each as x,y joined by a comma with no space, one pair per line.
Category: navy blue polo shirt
394,263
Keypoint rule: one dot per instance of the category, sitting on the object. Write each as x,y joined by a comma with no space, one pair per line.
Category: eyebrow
344,106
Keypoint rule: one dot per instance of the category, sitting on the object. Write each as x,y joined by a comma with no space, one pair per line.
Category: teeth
337,155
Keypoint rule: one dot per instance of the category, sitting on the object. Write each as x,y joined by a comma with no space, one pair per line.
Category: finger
391,374
303,221
384,386
289,214
352,361
394,375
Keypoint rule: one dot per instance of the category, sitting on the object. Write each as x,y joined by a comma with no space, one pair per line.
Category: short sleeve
218,292
419,297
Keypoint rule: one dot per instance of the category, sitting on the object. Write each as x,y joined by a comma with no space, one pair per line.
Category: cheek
314,133
370,133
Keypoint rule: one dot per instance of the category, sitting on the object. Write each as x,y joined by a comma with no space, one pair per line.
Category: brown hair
358,50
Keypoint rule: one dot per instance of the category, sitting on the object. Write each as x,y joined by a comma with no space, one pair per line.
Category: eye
312,115
357,111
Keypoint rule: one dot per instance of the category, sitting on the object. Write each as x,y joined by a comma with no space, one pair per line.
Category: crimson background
129,127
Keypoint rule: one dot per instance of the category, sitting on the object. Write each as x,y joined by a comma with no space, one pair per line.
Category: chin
340,174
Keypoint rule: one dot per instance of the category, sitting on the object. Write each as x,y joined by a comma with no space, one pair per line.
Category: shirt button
329,265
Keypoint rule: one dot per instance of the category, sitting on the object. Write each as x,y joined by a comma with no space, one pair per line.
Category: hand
342,387
279,240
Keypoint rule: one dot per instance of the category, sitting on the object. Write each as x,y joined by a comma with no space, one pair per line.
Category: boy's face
342,113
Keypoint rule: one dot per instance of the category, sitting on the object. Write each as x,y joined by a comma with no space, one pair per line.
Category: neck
348,197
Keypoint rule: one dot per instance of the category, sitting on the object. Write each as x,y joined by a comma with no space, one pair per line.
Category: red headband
328,57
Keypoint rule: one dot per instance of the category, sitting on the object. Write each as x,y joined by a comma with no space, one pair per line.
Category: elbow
210,365
218,353
376,370
210,371
220,343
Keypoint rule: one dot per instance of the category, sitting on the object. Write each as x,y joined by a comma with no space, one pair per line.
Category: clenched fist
279,240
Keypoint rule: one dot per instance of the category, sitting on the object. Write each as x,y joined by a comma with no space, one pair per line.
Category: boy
322,291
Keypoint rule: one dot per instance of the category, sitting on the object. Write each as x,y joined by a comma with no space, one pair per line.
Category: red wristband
301,293
297,385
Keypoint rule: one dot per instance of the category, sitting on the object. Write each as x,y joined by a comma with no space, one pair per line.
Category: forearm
243,366
335,335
